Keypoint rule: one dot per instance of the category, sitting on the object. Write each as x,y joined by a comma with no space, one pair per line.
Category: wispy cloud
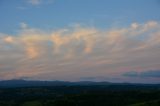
35,2
83,51
145,74
39,2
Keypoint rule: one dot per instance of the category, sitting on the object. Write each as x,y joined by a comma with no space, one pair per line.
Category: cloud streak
35,2
39,2
145,74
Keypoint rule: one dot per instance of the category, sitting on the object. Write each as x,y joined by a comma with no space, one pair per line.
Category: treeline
106,95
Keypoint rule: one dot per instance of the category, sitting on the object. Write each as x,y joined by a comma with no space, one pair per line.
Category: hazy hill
32,83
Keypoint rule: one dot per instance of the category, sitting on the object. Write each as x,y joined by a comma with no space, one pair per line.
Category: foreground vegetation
100,95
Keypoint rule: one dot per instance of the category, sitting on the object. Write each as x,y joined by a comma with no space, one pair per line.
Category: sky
80,40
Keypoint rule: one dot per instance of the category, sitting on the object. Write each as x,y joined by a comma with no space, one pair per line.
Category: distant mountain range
28,83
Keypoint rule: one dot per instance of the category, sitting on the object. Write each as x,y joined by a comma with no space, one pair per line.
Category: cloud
9,39
150,73
79,51
23,25
35,2
39,2
32,52
131,74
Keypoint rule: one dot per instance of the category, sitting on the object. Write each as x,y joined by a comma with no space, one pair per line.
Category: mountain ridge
36,83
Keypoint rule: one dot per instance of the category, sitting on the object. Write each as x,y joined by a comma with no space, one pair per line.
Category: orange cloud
9,39
32,52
